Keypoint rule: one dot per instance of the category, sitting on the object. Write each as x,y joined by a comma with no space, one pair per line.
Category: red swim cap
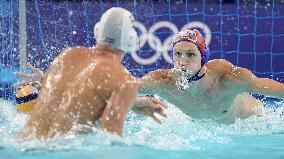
194,36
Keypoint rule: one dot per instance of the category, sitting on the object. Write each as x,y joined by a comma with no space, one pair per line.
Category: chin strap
195,77
203,61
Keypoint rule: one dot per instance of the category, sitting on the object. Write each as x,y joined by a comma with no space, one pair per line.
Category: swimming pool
247,33
177,137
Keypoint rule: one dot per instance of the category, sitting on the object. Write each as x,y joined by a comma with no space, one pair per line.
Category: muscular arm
253,84
118,105
154,78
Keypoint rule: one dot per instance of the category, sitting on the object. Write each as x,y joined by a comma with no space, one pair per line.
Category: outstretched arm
253,84
154,78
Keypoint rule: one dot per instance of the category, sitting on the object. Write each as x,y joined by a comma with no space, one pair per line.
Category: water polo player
88,85
215,90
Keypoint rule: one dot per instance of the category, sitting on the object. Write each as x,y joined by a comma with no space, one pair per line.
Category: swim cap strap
195,77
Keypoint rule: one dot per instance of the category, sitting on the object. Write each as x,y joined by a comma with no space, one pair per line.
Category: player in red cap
215,90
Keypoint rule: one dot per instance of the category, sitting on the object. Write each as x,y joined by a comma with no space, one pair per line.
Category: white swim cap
116,29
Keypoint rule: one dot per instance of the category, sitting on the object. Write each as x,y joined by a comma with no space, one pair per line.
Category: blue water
178,137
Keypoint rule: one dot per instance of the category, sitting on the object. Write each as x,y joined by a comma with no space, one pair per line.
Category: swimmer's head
190,51
116,29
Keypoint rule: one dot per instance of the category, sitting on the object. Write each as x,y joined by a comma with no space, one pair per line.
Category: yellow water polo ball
26,97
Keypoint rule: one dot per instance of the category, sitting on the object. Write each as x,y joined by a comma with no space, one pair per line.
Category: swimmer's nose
184,63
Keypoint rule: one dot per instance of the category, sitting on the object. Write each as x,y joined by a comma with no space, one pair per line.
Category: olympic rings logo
162,48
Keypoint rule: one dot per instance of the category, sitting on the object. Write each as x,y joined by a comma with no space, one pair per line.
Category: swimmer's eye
177,53
190,54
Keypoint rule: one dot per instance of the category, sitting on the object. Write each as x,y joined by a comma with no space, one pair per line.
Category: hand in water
37,75
148,105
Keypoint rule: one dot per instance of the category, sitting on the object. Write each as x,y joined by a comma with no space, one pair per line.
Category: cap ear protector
205,56
116,29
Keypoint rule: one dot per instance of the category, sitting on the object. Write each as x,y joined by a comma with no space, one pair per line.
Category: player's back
79,80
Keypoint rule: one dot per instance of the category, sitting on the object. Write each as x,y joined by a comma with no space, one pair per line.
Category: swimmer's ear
97,30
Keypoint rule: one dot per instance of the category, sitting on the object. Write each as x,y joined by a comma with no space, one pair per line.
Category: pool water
177,137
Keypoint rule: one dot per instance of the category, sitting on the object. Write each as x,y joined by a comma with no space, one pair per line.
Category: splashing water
178,136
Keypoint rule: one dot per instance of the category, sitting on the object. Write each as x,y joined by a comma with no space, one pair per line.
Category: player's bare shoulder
159,74
155,78
77,52
70,56
219,66
112,70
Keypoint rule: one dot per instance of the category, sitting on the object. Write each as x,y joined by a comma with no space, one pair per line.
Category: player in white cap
84,86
